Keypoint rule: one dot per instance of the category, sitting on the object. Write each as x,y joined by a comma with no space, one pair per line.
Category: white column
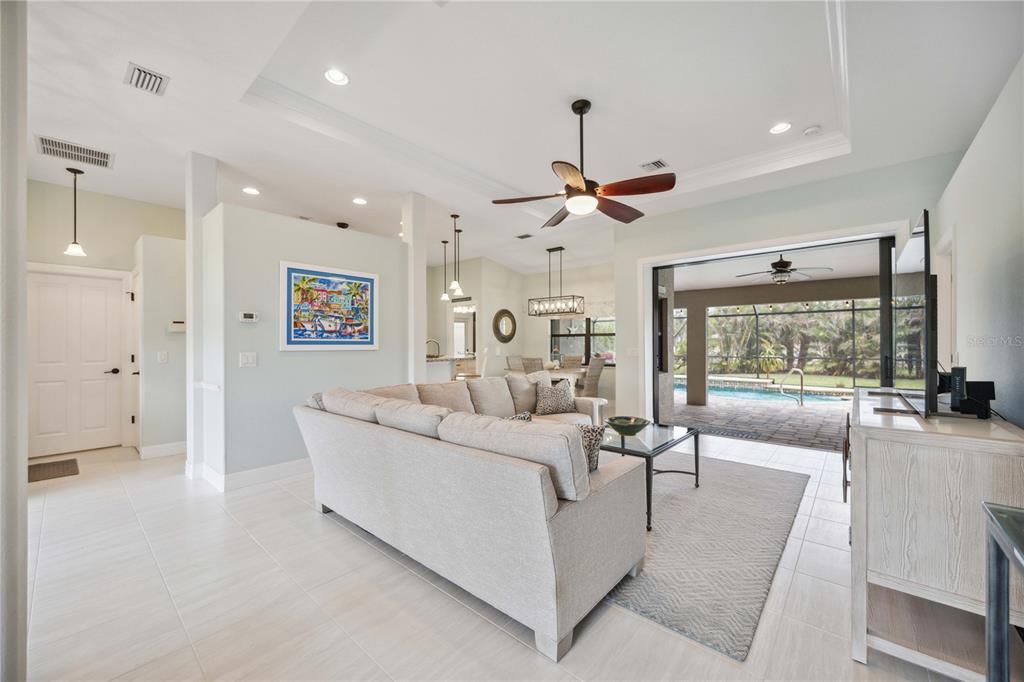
414,230
200,199
13,342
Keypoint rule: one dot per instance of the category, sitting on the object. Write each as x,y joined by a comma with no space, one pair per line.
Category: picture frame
324,308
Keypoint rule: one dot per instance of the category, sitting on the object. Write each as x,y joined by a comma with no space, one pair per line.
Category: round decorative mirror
504,326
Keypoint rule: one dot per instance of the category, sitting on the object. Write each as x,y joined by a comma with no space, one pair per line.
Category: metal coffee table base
652,472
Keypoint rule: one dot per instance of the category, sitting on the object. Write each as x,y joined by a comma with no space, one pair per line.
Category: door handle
113,371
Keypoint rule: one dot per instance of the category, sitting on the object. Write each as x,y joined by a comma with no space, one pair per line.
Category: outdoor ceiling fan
584,196
782,270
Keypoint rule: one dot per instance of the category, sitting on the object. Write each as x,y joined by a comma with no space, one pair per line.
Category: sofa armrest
597,540
591,407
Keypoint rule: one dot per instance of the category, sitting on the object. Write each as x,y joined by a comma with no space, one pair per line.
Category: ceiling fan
583,196
782,270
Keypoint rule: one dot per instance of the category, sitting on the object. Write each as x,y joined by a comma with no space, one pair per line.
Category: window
835,343
584,337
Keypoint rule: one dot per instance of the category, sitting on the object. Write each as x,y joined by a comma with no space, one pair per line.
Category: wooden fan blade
569,174
614,209
519,200
646,185
751,274
562,214
800,274
810,270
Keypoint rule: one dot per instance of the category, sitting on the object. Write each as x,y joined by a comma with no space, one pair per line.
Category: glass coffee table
651,442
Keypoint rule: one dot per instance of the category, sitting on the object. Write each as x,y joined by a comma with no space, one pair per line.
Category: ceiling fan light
581,204
74,249
780,277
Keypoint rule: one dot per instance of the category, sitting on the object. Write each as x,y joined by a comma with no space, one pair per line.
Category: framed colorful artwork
327,309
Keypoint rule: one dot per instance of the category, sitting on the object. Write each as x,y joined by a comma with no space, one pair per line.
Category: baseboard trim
274,472
214,478
244,479
162,450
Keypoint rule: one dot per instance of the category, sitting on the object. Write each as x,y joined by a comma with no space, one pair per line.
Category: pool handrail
783,383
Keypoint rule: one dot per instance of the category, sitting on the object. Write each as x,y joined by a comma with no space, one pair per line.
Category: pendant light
444,292
454,286
74,248
557,307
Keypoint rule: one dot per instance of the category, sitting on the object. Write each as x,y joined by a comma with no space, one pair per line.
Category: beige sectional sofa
505,509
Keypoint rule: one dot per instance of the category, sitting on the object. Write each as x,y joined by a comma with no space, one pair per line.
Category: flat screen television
915,321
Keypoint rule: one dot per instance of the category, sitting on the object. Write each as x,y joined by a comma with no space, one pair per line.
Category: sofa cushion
491,396
351,403
557,399
398,391
451,394
564,418
413,417
557,446
524,389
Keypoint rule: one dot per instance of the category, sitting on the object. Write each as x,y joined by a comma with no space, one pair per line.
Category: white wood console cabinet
918,532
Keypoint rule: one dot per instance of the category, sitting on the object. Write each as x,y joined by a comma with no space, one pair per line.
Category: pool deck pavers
819,426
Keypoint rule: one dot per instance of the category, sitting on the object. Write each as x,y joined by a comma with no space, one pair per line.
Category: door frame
124,277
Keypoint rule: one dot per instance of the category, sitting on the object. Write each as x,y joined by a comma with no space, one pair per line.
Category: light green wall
160,299
108,226
259,428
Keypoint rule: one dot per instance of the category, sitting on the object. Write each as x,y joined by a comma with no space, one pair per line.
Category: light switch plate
161,357
248,359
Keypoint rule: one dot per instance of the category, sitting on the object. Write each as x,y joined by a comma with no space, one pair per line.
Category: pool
769,394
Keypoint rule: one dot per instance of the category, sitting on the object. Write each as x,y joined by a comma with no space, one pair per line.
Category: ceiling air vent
69,151
657,164
524,236
145,79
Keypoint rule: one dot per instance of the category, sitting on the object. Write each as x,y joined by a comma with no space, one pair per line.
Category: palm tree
303,290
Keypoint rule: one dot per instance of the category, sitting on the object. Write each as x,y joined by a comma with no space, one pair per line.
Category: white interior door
74,330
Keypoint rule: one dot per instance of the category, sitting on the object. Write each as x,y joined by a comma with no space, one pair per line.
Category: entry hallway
139,573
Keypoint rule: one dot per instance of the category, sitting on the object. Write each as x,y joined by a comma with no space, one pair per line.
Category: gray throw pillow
521,417
592,437
557,399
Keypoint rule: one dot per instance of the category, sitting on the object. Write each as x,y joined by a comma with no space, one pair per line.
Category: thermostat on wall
251,318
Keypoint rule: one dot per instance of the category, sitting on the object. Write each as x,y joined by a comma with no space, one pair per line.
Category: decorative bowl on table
627,426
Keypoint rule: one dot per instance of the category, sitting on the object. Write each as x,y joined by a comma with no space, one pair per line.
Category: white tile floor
138,573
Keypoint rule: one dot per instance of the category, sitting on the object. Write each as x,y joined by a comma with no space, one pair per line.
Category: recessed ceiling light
813,130
336,77
359,201
252,191
780,127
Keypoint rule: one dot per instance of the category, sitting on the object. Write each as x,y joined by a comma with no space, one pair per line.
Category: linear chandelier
561,306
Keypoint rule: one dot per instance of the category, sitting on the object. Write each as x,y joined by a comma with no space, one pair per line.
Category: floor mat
47,470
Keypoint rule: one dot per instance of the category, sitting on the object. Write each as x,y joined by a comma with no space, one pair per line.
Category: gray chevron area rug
712,551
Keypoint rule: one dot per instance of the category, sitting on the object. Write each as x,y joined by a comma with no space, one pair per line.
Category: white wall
980,218
160,298
259,428
437,310
500,288
787,216
108,227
